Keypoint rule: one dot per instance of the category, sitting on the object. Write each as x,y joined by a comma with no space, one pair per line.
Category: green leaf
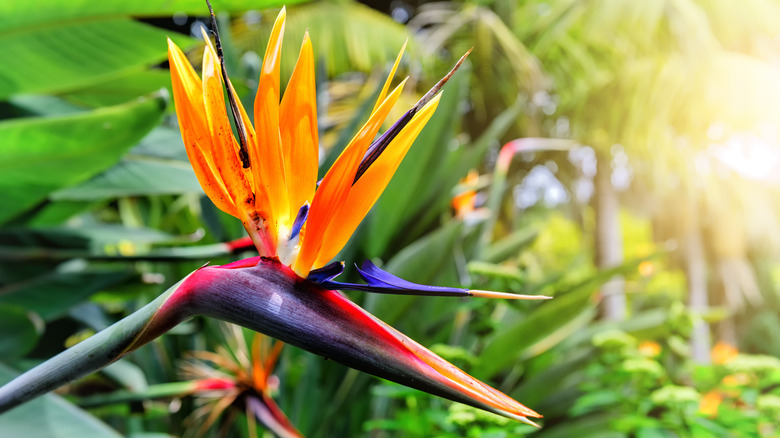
37,12
592,425
511,342
162,142
61,45
51,295
63,56
136,175
30,105
56,213
537,388
50,416
21,332
41,155
121,89
458,162
363,38
127,374
568,310
423,260
96,236
510,246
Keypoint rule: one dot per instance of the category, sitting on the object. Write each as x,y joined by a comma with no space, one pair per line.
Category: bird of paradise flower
268,179
238,376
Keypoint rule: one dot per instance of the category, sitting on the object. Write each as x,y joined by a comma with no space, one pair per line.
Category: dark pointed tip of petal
326,273
439,85
300,219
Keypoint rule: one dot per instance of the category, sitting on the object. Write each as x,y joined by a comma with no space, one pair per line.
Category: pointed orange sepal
191,113
298,129
336,185
389,79
370,186
224,145
270,171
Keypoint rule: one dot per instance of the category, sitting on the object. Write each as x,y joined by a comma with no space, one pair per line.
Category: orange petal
249,130
272,357
268,153
370,186
259,376
389,79
255,221
224,145
182,69
298,129
188,99
336,184
333,190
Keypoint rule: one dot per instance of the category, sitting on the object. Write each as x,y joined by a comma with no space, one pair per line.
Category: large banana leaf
17,14
60,56
41,155
157,165
51,294
61,45
363,39
136,175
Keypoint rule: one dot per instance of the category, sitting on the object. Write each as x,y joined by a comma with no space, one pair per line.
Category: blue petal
326,273
379,146
380,281
300,219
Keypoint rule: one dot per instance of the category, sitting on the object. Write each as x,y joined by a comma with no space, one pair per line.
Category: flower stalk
266,296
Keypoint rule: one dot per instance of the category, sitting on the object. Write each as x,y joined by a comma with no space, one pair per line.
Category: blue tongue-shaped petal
326,273
300,219
380,281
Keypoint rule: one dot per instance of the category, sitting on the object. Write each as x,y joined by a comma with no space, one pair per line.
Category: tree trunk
692,248
609,240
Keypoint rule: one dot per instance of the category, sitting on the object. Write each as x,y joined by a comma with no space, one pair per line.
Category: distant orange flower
646,268
649,348
723,353
239,376
710,403
736,379
463,203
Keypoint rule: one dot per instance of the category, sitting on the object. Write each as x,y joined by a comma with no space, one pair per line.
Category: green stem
124,396
163,254
83,358
268,297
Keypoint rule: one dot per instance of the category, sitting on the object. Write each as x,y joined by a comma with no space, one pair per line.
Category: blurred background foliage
621,156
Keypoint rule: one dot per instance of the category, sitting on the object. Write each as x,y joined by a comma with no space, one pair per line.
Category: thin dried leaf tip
380,144
243,154
439,85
